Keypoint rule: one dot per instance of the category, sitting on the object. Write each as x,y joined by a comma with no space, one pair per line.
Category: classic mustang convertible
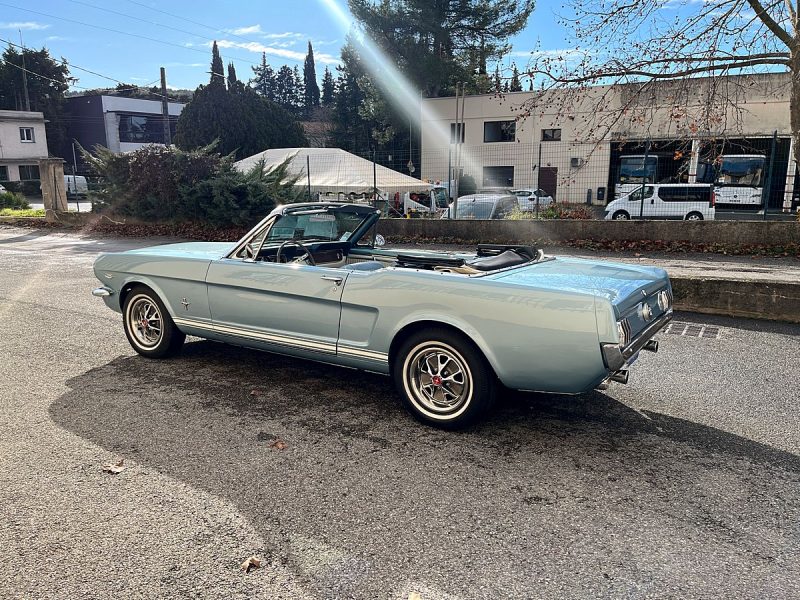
313,280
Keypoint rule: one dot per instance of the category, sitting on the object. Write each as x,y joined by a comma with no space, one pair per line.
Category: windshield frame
370,217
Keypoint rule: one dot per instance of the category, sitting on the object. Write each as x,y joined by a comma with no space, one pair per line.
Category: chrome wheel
145,322
621,216
438,380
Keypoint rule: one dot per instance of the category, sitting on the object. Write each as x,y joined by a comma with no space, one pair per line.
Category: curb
774,301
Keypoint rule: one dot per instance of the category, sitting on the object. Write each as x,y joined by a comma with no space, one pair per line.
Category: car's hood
203,250
619,283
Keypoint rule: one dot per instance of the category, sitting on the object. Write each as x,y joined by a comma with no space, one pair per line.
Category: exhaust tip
620,377
651,346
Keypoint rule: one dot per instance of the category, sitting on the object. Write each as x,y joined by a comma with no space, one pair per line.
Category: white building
117,123
23,142
560,143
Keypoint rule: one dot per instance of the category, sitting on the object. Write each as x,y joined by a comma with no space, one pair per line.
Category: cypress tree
299,90
311,88
217,68
232,80
516,84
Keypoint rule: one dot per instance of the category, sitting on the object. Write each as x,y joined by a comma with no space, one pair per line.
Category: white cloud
26,25
181,64
258,48
247,30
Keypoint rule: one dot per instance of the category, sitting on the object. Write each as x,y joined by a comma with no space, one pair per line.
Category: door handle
334,278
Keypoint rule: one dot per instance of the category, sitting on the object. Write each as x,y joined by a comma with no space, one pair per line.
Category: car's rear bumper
616,358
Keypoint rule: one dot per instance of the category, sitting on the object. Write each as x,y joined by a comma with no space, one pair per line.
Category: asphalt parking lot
684,483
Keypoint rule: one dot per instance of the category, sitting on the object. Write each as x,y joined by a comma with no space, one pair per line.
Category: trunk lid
619,283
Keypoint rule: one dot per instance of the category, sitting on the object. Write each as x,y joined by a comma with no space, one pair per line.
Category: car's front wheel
694,216
148,326
443,378
621,215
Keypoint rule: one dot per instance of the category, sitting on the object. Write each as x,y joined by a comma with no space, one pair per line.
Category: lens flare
397,88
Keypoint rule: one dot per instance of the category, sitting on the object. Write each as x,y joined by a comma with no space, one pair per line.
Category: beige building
586,143
23,142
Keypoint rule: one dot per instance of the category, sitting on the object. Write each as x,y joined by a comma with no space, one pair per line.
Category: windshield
634,169
315,225
474,210
741,170
442,200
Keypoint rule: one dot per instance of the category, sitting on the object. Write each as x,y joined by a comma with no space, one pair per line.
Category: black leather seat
509,258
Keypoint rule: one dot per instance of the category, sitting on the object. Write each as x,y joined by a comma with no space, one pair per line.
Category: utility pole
165,108
24,74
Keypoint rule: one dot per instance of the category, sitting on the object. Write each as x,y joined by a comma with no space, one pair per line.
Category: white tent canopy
334,171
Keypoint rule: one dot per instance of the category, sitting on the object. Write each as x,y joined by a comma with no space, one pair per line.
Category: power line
128,33
74,66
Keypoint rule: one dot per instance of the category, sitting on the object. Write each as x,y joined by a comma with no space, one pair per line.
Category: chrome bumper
102,292
616,357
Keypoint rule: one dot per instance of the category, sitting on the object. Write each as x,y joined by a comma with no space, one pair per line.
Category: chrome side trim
284,340
102,292
360,353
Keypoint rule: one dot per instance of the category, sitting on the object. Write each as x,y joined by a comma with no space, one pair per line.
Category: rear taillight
713,202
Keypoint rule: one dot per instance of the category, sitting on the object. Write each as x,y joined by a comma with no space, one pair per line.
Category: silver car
483,206
312,280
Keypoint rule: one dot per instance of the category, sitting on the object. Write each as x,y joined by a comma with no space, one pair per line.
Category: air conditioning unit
576,162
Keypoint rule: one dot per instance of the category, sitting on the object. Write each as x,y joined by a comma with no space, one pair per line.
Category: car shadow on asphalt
357,468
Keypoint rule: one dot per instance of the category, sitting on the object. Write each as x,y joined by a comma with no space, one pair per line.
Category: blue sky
128,40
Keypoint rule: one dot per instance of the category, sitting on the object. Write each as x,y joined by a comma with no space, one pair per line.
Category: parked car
687,201
529,199
76,185
2,189
483,206
313,280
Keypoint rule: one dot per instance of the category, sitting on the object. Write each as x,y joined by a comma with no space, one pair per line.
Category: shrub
166,184
31,187
13,200
553,211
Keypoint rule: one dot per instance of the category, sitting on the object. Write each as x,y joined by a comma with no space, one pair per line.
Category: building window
26,135
551,135
457,139
141,129
500,131
3,173
28,172
502,177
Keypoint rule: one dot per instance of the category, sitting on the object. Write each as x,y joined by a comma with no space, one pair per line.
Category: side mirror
380,240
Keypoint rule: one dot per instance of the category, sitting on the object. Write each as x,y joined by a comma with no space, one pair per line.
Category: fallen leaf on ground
278,444
414,596
114,468
251,563
255,392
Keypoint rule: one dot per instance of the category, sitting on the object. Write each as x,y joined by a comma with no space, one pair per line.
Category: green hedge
13,200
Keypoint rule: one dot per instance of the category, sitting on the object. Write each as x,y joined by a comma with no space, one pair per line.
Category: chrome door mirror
380,240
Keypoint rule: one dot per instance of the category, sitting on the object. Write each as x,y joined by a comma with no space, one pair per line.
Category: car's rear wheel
443,378
621,215
694,216
148,326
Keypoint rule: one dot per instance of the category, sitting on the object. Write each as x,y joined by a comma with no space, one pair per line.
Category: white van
76,185
687,201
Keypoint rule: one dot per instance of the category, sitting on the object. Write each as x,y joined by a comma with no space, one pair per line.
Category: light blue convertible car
313,280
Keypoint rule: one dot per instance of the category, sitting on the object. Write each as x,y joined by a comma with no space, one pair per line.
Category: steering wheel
306,257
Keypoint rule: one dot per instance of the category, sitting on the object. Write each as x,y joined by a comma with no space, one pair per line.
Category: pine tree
285,87
498,81
299,92
530,84
217,68
311,88
263,81
328,89
516,84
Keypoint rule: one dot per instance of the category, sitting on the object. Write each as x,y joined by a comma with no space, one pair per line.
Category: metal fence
734,178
